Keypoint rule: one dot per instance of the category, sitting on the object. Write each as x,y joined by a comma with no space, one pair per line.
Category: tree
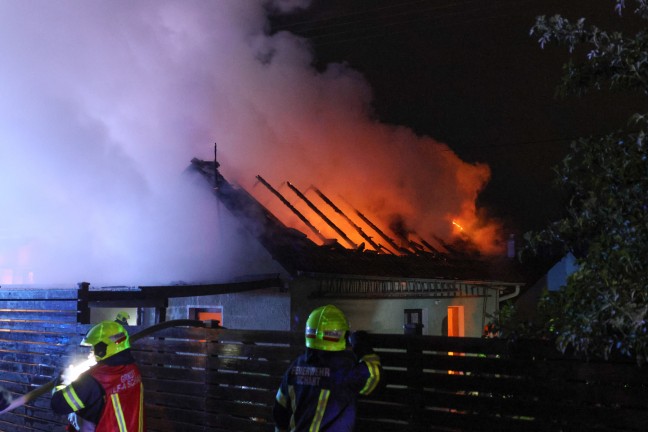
604,306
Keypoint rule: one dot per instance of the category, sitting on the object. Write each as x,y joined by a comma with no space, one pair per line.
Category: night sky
469,74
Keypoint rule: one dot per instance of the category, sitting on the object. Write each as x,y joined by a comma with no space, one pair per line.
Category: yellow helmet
122,318
106,339
326,329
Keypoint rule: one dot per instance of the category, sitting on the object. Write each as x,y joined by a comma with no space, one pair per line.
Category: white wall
271,309
267,309
387,315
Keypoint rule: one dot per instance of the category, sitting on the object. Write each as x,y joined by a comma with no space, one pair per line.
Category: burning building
92,149
289,248
387,281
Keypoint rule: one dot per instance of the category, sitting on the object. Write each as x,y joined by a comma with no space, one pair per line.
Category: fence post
415,382
83,309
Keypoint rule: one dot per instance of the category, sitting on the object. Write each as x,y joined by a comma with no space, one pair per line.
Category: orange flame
455,223
385,172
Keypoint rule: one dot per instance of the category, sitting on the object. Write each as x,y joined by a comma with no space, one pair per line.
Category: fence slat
216,380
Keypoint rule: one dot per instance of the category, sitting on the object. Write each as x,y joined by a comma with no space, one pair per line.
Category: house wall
275,309
387,315
267,309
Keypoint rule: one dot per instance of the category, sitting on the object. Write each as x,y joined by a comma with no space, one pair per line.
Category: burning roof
358,246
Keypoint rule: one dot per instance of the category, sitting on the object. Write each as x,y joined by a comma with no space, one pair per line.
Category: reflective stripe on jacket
124,407
319,391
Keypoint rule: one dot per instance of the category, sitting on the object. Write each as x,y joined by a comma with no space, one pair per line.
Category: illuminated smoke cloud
104,104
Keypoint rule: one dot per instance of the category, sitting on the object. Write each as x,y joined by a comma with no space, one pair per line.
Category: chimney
510,246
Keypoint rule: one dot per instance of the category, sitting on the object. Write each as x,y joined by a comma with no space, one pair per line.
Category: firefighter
318,392
122,318
108,397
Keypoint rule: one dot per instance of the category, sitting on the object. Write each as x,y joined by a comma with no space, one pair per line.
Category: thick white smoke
104,104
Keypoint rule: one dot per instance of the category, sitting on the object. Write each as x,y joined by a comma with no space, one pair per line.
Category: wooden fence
213,380
38,333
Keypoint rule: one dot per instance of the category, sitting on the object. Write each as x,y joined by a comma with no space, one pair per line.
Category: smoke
104,104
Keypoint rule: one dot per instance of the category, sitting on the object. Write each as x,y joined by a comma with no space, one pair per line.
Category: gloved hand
359,341
58,382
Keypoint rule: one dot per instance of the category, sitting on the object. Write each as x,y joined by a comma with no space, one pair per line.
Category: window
413,324
413,316
207,313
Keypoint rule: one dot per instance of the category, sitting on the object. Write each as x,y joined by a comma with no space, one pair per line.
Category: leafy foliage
604,306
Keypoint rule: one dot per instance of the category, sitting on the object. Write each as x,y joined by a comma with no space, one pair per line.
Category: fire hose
39,391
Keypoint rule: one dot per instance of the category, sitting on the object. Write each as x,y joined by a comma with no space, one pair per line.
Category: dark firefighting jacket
109,397
318,392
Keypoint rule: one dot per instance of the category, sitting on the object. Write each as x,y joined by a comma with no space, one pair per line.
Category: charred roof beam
336,209
293,209
328,221
373,226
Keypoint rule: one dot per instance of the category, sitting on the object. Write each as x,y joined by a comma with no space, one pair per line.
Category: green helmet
122,318
106,339
326,329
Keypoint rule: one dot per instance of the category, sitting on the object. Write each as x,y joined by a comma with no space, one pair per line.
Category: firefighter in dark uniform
318,392
109,397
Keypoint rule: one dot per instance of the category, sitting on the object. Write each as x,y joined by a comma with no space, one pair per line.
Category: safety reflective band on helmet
332,335
328,335
118,338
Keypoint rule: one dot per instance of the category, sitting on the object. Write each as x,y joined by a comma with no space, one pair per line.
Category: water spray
5,398
72,372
